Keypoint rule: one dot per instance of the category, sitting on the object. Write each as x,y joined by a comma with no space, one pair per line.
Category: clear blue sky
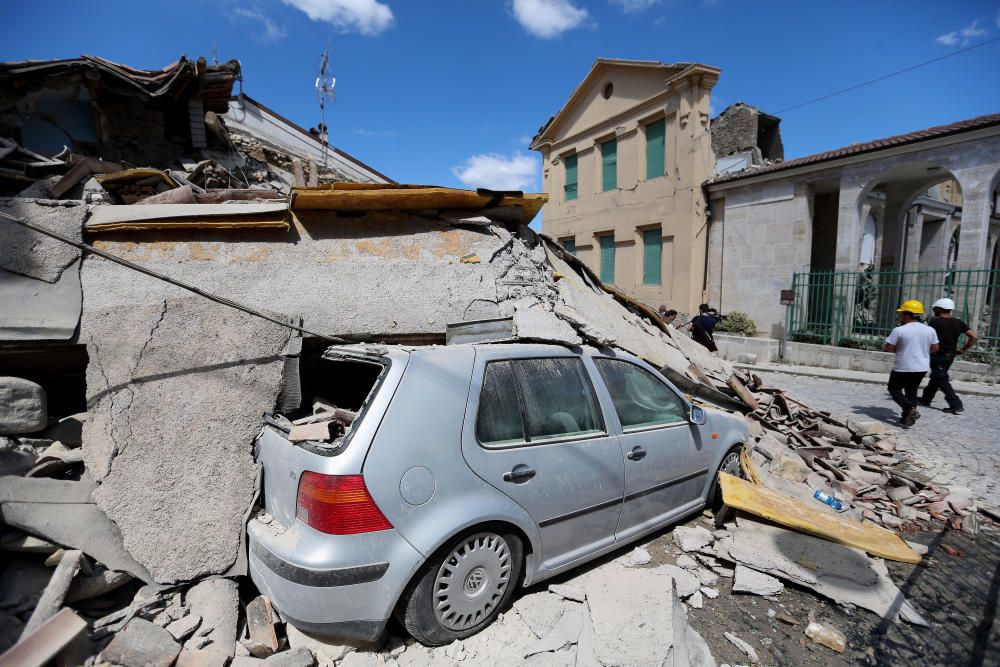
423,86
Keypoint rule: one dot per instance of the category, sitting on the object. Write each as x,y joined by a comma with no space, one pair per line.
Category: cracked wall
175,390
39,277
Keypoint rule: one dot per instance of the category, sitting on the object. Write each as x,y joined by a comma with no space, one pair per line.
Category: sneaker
954,411
910,418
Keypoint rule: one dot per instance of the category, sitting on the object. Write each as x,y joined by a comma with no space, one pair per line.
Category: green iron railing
859,308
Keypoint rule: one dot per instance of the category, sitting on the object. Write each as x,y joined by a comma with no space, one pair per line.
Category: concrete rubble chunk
260,624
710,593
747,650
296,657
791,467
637,620
686,562
539,612
696,601
200,657
568,592
183,627
175,408
747,580
840,573
23,406
216,601
686,583
142,643
326,651
28,253
639,556
692,538
566,632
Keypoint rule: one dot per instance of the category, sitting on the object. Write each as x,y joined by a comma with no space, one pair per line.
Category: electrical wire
888,76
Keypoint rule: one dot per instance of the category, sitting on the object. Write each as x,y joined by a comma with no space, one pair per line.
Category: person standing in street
913,342
949,329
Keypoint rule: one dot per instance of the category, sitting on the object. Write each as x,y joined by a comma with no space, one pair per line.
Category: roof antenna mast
324,90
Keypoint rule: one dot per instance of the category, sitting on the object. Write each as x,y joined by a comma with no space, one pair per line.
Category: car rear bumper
343,586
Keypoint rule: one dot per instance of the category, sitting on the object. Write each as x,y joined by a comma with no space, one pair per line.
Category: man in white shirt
912,342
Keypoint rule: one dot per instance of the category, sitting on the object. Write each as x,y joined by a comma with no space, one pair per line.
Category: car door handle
637,454
519,475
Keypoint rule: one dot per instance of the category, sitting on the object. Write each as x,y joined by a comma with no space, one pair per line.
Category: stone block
746,358
142,643
23,406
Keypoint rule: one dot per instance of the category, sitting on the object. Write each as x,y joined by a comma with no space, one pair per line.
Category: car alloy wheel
471,581
731,464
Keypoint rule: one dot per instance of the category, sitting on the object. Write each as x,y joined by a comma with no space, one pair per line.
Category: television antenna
324,91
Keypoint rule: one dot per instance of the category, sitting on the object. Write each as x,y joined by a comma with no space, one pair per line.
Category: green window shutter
609,165
570,188
655,149
652,255
569,245
608,259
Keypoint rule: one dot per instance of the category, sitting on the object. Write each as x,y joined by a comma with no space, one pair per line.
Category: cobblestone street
959,450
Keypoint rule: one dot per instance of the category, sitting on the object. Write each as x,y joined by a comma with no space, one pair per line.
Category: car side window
536,400
640,399
499,421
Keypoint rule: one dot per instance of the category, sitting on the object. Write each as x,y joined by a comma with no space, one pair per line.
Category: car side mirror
697,415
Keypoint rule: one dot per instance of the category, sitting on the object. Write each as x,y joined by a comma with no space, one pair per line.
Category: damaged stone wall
175,390
39,277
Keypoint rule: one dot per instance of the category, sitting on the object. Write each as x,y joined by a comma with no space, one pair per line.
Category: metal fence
858,309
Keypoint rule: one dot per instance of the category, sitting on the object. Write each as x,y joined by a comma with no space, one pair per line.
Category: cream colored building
623,162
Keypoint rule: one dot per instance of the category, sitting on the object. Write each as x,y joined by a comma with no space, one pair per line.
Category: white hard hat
944,304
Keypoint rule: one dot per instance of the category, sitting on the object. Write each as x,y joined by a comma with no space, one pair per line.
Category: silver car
462,472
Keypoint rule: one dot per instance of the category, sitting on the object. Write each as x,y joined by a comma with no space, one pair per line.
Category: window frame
603,144
600,257
686,421
658,233
547,440
576,178
662,121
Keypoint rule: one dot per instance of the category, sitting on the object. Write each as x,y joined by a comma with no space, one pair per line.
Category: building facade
861,228
623,163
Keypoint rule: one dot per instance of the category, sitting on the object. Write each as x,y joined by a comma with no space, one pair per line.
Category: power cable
889,76
167,279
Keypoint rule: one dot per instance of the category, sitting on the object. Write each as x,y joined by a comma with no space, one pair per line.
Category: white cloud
524,140
548,18
499,172
363,132
972,31
369,17
634,6
947,39
272,32
964,36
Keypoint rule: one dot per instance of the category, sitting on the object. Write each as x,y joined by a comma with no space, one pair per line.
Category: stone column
849,222
914,238
973,240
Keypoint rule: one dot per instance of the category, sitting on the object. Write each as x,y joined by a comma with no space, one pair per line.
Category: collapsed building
131,405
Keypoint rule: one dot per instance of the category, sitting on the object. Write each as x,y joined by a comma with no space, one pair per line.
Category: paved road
957,450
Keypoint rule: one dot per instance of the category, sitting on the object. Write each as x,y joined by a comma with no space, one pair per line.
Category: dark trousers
903,388
940,363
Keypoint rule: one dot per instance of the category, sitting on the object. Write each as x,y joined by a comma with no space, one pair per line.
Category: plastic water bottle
828,499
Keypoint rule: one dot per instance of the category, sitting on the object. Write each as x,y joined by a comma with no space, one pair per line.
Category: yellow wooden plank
350,197
791,513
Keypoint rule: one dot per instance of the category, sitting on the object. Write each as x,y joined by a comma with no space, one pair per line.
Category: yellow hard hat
911,306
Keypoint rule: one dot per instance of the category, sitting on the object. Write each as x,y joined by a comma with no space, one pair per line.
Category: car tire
731,464
463,587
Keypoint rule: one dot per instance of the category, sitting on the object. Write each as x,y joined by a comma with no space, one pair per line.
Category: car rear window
533,400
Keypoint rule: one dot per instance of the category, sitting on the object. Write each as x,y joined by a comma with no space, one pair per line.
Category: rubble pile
858,463
127,522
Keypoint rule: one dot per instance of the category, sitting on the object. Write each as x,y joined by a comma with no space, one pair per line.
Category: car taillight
338,505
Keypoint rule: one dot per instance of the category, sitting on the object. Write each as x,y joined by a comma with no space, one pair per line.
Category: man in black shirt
703,327
949,329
